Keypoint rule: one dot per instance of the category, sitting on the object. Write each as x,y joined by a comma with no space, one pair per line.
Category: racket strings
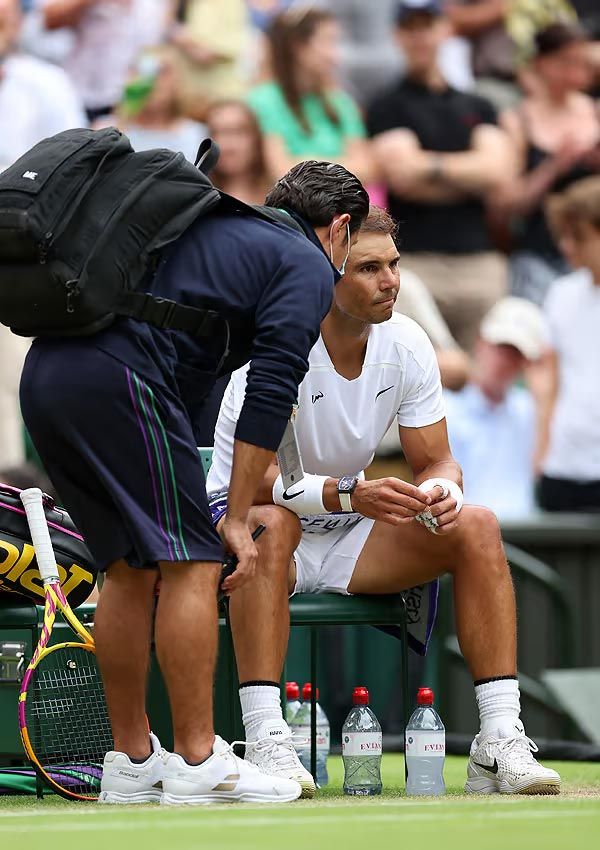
67,719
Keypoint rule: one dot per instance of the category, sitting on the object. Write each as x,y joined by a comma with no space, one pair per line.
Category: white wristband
304,498
450,488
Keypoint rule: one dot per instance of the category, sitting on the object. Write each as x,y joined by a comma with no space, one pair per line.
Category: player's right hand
389,500
237,539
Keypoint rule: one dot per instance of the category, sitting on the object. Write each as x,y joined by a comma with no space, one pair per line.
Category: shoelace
281,751
522,746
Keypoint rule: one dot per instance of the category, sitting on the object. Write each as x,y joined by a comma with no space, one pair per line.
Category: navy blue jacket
273,286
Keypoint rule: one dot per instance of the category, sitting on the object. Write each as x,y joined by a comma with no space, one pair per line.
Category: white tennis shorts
325,562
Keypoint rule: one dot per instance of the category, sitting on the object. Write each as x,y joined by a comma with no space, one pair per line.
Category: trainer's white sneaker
507,766
223,778
274,754
123,781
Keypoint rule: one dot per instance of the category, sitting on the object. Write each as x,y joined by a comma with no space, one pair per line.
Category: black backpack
81,218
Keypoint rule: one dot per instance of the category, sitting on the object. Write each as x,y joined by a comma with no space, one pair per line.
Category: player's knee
481,536
283,529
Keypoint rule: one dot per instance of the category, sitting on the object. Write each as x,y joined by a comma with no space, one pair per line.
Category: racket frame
55,600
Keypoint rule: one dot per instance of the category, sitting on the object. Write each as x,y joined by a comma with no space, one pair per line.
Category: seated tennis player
337,532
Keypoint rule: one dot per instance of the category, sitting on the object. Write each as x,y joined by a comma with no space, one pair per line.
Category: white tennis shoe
507,766
274,754
223,778
124,781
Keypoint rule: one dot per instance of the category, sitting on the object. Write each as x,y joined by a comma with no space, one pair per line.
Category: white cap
517,322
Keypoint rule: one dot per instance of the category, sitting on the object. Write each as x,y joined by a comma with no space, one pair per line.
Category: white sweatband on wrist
304,498
449,488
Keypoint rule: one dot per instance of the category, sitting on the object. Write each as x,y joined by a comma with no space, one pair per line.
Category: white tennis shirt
340,423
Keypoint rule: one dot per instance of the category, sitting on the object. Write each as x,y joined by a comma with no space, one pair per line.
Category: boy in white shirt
336,532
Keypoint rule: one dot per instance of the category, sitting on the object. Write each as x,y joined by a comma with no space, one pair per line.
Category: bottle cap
425,696
360,696
307,692
292,691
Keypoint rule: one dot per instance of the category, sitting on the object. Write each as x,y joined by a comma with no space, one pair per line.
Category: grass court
332,821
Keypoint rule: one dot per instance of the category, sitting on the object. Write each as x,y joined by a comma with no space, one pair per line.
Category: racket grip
32,500
231,562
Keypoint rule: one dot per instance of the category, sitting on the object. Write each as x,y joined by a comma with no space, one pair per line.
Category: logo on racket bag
17,576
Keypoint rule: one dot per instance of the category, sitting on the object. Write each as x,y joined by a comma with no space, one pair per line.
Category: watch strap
346,502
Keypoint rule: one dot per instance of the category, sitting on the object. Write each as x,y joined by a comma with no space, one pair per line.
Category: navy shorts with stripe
121,454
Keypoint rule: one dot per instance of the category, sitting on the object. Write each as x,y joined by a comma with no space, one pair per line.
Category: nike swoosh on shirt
381,392
287,497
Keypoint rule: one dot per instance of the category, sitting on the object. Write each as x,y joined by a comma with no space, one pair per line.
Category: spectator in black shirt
441,155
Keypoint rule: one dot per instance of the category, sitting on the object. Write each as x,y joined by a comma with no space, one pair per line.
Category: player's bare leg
260,623
259,613
122,628
397,557
186,645
394,558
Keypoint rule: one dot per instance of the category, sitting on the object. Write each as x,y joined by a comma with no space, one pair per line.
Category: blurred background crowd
475,122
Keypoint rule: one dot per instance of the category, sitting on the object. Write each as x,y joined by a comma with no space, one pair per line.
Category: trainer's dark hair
318,191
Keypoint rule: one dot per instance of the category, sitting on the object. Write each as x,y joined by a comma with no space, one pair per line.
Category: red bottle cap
360,696
292,690
425,696
307,692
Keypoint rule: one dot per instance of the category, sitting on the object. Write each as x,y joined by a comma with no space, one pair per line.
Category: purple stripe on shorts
156,437
150,462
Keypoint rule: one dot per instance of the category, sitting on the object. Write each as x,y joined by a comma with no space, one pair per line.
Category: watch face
346,484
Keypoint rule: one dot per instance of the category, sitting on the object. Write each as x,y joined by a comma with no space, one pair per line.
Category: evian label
361,743
322,736
424,743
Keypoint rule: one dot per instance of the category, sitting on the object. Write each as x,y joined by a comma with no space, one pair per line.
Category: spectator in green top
301,110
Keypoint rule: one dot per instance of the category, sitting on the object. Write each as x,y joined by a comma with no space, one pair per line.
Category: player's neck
345,339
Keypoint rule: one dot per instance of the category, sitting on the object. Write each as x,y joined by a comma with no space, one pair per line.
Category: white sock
499,707
261,706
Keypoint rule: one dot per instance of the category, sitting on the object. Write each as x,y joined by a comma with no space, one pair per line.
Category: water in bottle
300,726
361,748
292,693
425,748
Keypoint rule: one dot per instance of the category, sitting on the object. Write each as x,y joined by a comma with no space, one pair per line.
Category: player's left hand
443,510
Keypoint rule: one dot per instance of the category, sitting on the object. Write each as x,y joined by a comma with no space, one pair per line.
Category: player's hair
579,203
288,31
380,221
318,191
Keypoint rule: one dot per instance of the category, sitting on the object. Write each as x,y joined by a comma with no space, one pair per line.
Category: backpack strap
207,156
169,315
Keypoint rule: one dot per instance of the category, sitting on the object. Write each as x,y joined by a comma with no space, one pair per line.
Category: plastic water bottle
292,693
361,748
300,726
425,748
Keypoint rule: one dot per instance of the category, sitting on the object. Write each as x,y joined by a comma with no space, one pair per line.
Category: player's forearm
250,464
442,469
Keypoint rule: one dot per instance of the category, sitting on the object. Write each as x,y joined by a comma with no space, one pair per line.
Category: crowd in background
475,122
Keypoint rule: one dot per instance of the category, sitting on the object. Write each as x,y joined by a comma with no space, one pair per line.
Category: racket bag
19,573
82,218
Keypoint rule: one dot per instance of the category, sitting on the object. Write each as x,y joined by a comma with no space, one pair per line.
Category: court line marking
244,821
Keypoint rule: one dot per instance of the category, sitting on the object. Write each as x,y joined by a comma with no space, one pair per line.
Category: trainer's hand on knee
238,540
389,500
443,510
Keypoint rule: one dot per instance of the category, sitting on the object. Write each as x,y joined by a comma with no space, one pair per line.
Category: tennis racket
63,717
